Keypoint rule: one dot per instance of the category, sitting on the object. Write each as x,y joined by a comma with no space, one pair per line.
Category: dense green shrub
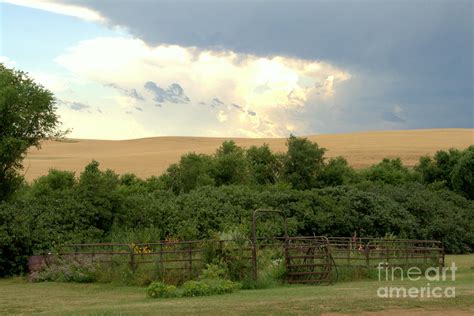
209,287
159,289
191,288
214,271
16,242
196,288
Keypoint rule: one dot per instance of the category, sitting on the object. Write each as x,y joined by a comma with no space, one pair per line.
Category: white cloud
60,8
261,89
53,82
7,61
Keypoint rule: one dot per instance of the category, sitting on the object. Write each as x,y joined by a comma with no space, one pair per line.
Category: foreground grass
18,296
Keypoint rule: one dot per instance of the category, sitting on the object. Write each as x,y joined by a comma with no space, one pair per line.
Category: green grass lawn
18,296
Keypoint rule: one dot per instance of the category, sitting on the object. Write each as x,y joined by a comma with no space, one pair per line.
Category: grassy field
151,156
17,296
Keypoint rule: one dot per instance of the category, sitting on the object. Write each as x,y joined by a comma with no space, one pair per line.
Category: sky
266,68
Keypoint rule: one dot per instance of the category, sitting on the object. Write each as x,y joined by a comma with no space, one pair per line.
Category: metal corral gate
316,259
308,259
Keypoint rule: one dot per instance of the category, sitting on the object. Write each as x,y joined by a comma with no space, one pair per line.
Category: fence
308,259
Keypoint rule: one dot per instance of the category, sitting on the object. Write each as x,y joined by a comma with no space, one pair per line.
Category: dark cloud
131,93
134,94
139,108
422,50
78,106
237,107
74,105
251,113
174,93
376,34
216,102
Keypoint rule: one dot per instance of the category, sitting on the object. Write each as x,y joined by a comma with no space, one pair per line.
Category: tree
98,192
439,169
192,171
304,161
336,172
462,176
27,116
55,180
389,171
230,164
264,165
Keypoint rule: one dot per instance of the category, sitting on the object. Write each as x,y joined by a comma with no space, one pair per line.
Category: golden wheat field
151,156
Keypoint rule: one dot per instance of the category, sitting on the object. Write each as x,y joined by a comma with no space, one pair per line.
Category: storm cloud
416,52
133,93
173,94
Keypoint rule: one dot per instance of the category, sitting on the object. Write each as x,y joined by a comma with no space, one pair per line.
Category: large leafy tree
304,162
462,176
230,165
27,116
264,165
192,171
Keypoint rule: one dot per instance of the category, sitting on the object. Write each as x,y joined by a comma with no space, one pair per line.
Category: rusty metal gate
308,260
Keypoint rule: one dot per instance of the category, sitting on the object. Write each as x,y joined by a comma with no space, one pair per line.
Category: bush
209,287
191,288
221,286
214,271
159,289
196,288
16,242
80,270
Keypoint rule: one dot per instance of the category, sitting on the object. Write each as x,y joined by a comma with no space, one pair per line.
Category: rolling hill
151,156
